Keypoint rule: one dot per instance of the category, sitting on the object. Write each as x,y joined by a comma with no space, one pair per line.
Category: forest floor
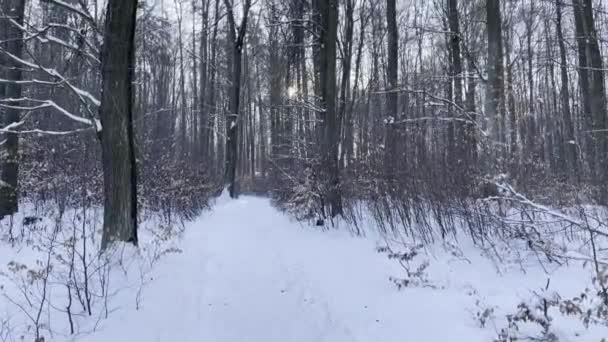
247,272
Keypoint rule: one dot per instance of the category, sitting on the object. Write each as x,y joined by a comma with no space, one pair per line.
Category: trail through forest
249,273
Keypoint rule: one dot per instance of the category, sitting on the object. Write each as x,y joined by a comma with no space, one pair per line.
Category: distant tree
462,158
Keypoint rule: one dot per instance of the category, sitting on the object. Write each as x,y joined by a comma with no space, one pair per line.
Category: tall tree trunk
9,142
392,96
599,137
210,142
183,128
328,11
116,112
463,161
237,38
570,145
531,120
203,130
347,48
317,27
513,129
350,142
583,79
194,112
276,143
494,88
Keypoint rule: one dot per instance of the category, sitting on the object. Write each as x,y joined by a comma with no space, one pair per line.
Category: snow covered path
247,273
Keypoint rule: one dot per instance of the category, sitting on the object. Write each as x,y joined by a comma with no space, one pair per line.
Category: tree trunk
392,96
210,141
599,137
570,145
194,111
583,79
116,112
9,143
494,88
347,48
183,127
237,38
329,31
203,130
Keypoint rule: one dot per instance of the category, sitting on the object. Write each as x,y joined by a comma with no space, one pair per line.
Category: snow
247,272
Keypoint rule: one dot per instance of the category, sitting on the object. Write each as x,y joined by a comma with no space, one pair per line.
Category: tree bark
583,79
570,145
392,96
347,48
494,88
116,112
9,175
328,11
237,38
599,120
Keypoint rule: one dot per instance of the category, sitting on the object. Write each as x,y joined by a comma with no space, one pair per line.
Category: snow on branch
585,221
81,11
43,36
54,73
465,116
30,82
44,132
84,96
512,195
42,104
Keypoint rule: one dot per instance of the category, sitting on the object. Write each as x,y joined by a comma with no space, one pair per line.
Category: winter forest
304,170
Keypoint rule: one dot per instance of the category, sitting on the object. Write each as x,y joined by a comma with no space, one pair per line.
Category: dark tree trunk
276,143
237,38
347,48
9,142
494,88
116,112
465,132
392,97
599,138
583,79
328,11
